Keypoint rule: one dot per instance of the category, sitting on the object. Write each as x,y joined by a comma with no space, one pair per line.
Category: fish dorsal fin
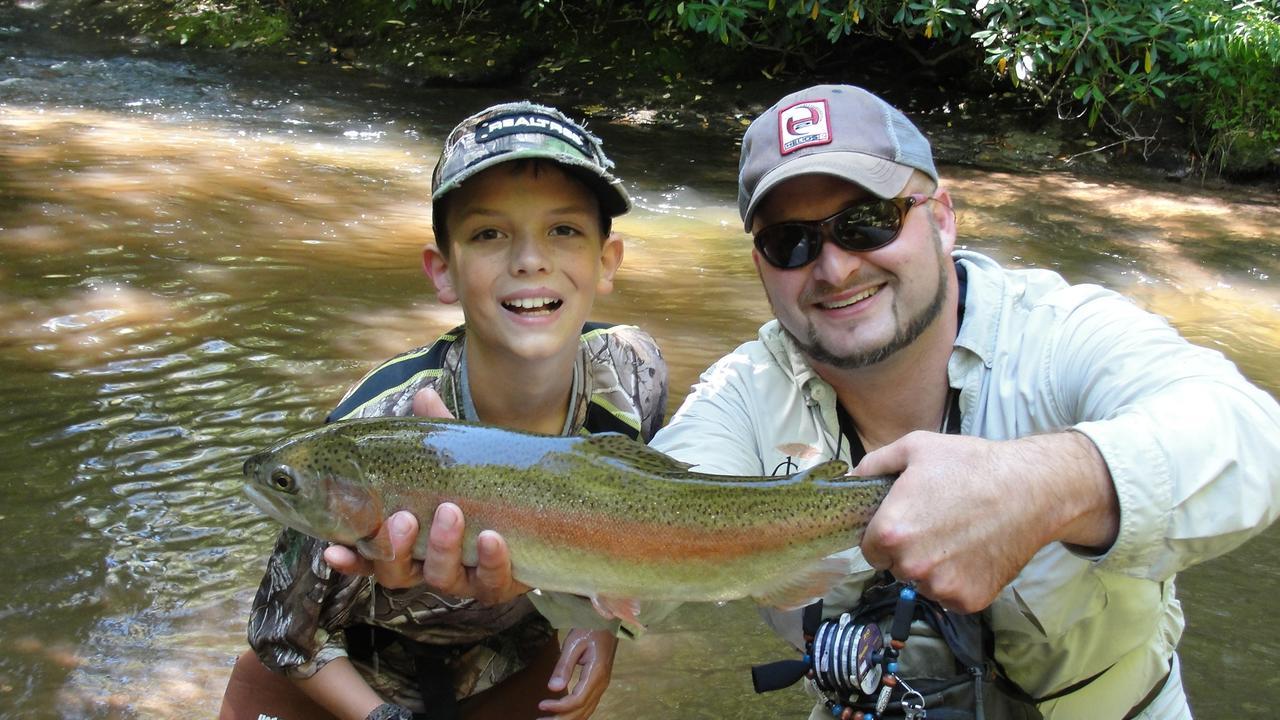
621,448
795,590
823,472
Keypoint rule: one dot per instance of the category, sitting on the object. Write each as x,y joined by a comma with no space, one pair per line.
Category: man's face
526,260
853,309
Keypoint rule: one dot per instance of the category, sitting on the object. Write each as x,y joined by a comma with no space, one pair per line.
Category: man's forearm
1082,502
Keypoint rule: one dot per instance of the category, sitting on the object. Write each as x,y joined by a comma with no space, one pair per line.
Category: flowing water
196,258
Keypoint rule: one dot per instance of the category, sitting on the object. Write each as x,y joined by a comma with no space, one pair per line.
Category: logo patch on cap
803,124
529,122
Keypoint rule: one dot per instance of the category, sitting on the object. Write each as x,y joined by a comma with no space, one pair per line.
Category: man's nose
835,264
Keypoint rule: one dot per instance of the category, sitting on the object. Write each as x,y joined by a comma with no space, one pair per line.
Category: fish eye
282,480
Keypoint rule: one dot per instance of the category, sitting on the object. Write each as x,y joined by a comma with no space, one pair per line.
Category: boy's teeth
535,304
850,300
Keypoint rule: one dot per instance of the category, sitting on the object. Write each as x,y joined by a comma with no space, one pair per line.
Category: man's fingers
891,458
443,567
427,403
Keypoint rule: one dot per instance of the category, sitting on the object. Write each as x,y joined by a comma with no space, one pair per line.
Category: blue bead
891,668
808,659
907,593
836,710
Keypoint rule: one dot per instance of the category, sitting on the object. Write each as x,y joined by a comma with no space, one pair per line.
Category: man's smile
850,300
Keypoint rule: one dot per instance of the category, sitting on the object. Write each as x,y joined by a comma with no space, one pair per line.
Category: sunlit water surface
196,259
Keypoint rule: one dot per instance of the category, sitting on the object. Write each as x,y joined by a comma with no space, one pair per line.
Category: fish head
314,484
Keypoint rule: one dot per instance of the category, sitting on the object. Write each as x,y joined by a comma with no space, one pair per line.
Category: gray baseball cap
524,130
838,130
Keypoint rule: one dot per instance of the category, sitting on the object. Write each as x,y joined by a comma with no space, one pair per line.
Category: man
1097,452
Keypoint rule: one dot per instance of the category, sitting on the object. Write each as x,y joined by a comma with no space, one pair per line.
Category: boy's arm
339,688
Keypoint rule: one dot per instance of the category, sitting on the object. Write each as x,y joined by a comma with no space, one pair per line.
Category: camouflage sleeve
300,605
640,363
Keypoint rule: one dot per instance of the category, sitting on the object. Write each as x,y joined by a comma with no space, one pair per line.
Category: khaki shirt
1192,447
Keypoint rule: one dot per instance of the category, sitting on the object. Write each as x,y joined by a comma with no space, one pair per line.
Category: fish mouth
269,503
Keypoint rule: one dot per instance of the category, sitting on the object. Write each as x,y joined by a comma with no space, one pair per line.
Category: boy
522,205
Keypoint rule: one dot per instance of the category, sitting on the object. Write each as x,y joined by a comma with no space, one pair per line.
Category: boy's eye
564,231
487,234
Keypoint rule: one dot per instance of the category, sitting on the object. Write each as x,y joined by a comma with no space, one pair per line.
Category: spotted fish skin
600,515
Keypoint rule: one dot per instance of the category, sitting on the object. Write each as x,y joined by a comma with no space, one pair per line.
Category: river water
197,258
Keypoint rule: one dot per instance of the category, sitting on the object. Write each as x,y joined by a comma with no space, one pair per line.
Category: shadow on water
197,260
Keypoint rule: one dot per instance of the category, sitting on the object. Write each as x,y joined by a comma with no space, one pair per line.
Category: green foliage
1123,60
1127,65
1235,70
209,23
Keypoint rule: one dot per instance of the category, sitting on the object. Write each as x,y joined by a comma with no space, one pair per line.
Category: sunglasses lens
790,245
862,227
867,226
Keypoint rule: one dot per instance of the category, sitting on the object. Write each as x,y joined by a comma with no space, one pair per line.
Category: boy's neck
516,393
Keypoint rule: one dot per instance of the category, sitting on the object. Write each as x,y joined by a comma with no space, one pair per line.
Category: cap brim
614,200
881,177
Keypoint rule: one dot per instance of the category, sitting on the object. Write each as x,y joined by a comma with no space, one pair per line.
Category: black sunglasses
863,226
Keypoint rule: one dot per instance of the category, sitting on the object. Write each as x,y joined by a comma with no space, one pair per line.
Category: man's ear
756,260
944,217
610,259
436,266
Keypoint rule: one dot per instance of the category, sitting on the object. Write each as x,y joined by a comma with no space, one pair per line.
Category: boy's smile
537,305
526,259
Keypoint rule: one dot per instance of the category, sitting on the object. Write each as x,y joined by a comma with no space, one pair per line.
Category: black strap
431,669
857,451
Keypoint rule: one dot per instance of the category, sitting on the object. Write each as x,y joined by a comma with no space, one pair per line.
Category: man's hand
592,651
489,582
967,514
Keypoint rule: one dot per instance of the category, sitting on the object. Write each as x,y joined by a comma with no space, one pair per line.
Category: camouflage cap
520,131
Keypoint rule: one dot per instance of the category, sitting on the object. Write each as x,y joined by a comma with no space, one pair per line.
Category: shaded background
198,257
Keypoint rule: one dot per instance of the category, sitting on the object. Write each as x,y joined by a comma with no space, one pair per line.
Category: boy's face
526,259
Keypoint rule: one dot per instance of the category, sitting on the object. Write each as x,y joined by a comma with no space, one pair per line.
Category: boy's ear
610,259
436,266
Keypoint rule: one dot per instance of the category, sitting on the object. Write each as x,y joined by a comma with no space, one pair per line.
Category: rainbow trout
601,516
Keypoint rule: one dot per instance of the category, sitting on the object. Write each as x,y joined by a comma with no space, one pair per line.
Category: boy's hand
490,582
593,652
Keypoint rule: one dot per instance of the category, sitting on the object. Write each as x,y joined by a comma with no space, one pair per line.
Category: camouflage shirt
302,607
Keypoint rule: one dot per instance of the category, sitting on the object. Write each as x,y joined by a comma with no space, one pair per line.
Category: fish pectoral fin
376,547
624,609
811,583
